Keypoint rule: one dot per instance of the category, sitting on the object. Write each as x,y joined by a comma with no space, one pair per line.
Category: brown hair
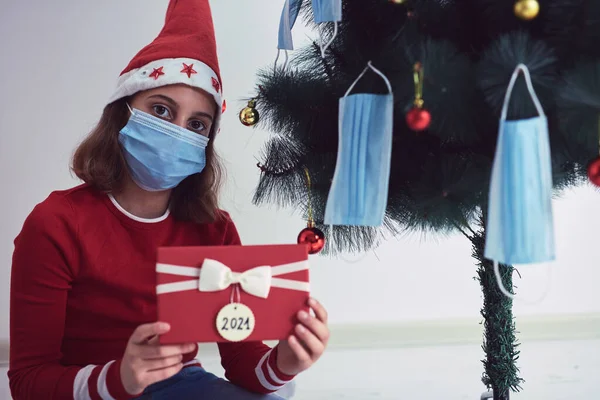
99,162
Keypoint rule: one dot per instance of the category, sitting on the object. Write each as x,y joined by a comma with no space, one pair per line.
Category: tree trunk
501,396
500,343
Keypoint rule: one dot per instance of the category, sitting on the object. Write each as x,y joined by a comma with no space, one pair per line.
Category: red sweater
83,278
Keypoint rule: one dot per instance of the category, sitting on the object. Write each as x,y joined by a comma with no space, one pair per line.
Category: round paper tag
235,322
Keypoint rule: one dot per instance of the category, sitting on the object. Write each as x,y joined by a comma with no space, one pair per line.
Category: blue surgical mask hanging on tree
520,227
160,154
359,190
325,11
289,14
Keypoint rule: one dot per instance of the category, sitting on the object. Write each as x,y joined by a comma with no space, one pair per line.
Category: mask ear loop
287,28
285,63
512,296
328,44
521,68
130,109
538,105
364,71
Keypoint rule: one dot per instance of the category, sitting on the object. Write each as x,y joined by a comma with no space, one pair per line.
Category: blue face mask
327,11
520,223
323,10
160,154
359,190
289,14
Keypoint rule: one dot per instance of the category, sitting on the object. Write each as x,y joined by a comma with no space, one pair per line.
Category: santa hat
185,51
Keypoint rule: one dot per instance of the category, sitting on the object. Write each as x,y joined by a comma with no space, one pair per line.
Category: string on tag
235,294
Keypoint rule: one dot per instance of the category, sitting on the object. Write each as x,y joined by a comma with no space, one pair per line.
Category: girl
83,280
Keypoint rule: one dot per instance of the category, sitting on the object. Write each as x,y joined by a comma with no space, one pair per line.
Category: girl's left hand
307,344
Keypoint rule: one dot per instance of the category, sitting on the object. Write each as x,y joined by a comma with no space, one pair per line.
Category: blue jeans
194,383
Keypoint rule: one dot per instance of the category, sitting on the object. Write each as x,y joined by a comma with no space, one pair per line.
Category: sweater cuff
280,376
269,376
114,383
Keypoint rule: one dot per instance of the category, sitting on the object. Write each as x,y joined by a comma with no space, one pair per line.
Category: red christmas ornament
313,237
593,172
156,73
418,119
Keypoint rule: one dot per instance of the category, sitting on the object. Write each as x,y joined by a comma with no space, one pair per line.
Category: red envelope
192,313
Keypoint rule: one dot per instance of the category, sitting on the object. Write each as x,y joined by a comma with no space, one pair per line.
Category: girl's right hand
146,362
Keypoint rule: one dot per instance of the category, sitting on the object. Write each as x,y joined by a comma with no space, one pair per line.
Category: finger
162,374
310,342
153,341
160,363
299,351
144,332
314,325
148,352
320,311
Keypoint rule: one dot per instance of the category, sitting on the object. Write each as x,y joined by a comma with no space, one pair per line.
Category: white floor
553,370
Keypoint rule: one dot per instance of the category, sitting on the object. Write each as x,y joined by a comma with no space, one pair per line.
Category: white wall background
59,61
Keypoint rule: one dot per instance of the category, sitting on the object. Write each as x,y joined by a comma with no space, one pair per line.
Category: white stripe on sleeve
80,386
261,375
272,375
102,387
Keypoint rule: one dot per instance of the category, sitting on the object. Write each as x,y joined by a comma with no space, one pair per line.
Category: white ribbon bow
215,276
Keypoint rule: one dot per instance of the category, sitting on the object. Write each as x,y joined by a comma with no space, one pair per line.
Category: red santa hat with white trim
185,51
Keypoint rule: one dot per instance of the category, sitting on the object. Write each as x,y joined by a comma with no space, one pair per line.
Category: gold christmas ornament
249,115
527,9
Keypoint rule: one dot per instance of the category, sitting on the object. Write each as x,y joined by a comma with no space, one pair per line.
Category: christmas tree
449,64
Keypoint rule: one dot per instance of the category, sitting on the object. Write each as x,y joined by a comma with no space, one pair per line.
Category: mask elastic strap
277,59
287,23
130,109
326,46
511,85
513,297
378,72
